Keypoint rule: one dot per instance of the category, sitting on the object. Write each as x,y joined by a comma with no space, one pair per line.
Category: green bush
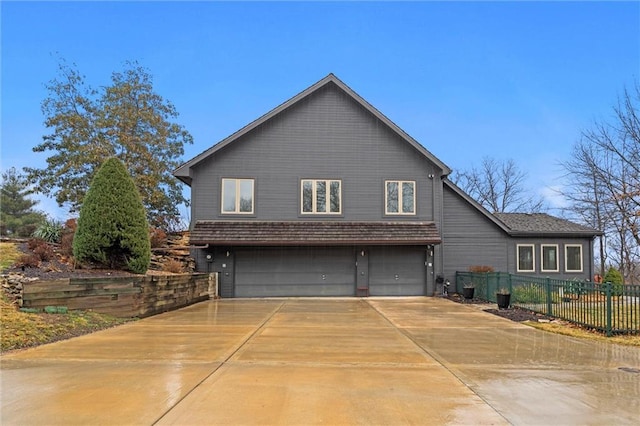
614,277
50,231
112,227
529,293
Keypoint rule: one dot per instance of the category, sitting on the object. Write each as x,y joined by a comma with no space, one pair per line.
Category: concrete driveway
322,361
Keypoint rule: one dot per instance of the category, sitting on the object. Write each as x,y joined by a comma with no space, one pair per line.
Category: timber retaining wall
134,296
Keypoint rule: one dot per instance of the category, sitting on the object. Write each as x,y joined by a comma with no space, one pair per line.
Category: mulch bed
60,267
513,313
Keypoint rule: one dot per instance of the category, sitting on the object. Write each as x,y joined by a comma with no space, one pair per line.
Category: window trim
237,195
386,198
566,258
314,183
533,259
542,268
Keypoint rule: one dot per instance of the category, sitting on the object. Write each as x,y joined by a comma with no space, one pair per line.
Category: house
325,196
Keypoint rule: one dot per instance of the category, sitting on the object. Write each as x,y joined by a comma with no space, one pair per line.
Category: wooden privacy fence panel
134,296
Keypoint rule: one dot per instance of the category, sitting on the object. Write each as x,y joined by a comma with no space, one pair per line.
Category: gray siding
470,238
587,256
326,135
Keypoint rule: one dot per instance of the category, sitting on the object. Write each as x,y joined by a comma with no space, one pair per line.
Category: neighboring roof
543,224
271,233
182,172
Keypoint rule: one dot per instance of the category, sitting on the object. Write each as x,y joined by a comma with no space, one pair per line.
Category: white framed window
549,258
321,196
237,196
526,257
573,257
400,197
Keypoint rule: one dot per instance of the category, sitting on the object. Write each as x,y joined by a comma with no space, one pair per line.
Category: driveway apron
321,361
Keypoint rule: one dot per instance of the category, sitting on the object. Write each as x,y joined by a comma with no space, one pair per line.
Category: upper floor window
400,197
526,258
550,258
573,258
237,196
321,196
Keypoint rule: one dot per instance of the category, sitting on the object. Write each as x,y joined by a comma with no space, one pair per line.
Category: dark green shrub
614,277
112,227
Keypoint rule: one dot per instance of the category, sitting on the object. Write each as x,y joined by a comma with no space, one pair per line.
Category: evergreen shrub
112,228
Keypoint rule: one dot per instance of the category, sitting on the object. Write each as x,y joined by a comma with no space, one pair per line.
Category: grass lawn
22,330
568,329
9,253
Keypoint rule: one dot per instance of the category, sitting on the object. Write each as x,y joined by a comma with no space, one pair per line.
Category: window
573,258
400,197
526,258
549,258
321,196
237,196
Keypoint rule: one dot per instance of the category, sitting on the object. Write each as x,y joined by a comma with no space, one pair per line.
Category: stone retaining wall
134,296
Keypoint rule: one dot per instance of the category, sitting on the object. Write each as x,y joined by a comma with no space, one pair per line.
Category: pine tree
17,216
112,228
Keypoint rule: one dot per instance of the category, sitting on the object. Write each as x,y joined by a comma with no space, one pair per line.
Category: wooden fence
135,296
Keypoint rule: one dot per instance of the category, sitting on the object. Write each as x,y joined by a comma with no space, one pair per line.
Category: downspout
431,278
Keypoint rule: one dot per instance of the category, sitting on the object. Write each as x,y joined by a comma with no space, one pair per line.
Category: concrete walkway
322,361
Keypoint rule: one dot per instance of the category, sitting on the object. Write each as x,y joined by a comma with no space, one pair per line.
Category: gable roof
543,224
312,233
182,172
527,224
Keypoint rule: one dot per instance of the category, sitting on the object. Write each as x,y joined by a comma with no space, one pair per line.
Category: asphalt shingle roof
542,223
313,233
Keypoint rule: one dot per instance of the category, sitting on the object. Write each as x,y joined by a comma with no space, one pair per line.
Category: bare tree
604,188
499,187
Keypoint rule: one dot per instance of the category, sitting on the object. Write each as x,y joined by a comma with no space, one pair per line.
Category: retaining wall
135,296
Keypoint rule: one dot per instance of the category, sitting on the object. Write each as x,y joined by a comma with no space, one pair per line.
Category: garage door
300,271
397,271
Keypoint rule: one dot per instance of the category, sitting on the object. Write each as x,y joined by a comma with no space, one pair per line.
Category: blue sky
508,80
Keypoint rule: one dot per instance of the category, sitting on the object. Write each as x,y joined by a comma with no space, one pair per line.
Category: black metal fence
609,308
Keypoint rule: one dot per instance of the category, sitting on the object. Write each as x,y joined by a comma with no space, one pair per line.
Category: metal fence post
547,282
607,291
486,283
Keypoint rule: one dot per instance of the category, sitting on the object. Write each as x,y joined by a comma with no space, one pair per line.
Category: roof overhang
312,233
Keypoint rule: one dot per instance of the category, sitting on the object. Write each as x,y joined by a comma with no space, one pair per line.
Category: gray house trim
183,171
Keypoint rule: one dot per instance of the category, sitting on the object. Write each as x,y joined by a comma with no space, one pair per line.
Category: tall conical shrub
112,227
